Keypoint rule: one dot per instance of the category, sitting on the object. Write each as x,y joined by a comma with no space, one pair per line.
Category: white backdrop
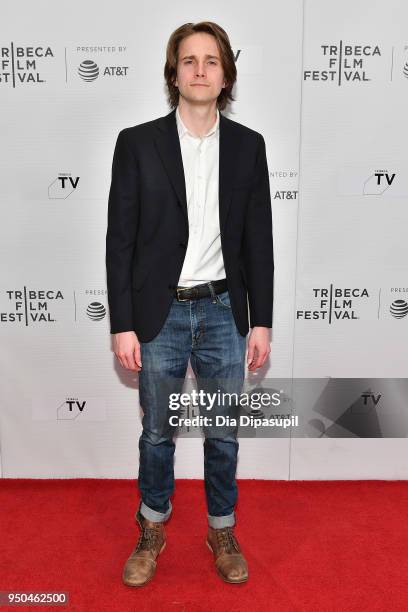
326,83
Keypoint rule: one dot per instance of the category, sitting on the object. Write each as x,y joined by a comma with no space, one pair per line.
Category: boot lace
226,540
148,538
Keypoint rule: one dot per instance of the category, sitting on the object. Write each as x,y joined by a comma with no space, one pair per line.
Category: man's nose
200,70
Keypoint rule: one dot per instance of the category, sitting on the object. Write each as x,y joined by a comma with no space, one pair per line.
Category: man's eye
189,62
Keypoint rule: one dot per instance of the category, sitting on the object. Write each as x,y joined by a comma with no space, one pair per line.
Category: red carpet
310,545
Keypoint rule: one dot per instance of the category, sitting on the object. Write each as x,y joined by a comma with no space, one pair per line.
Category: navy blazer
147,229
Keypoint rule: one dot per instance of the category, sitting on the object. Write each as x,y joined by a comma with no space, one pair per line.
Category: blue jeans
204,331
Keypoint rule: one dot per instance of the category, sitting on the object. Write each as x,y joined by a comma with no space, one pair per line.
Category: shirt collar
182,129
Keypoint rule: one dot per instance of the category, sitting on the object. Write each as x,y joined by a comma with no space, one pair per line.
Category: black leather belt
199,291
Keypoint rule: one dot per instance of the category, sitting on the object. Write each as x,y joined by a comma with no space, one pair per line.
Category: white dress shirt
203,260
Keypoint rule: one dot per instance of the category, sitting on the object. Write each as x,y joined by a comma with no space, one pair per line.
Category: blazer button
183,245
172,286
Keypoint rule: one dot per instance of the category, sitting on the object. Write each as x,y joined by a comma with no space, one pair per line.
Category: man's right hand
126,347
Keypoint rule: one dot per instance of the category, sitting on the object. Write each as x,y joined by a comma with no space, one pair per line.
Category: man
188,246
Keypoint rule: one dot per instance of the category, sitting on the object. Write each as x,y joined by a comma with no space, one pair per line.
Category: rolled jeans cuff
218,522
153,515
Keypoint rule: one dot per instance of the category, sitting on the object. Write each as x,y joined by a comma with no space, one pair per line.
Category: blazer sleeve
258,245
123,212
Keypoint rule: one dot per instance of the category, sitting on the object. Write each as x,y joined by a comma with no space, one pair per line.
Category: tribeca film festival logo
29,306
334,303
21,65
63,186
344,63
89,70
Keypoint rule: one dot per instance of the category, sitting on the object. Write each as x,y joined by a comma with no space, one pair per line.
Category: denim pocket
223,299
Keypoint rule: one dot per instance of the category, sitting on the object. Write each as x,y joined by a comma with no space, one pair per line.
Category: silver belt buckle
181,289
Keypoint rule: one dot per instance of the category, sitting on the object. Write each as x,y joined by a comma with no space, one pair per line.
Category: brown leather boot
141,564
229,560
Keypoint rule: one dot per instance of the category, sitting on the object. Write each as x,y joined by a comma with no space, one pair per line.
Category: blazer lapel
229,147
168,145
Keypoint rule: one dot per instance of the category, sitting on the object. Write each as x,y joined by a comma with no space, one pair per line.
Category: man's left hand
258,347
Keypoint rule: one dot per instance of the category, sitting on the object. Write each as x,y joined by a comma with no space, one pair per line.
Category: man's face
200,75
